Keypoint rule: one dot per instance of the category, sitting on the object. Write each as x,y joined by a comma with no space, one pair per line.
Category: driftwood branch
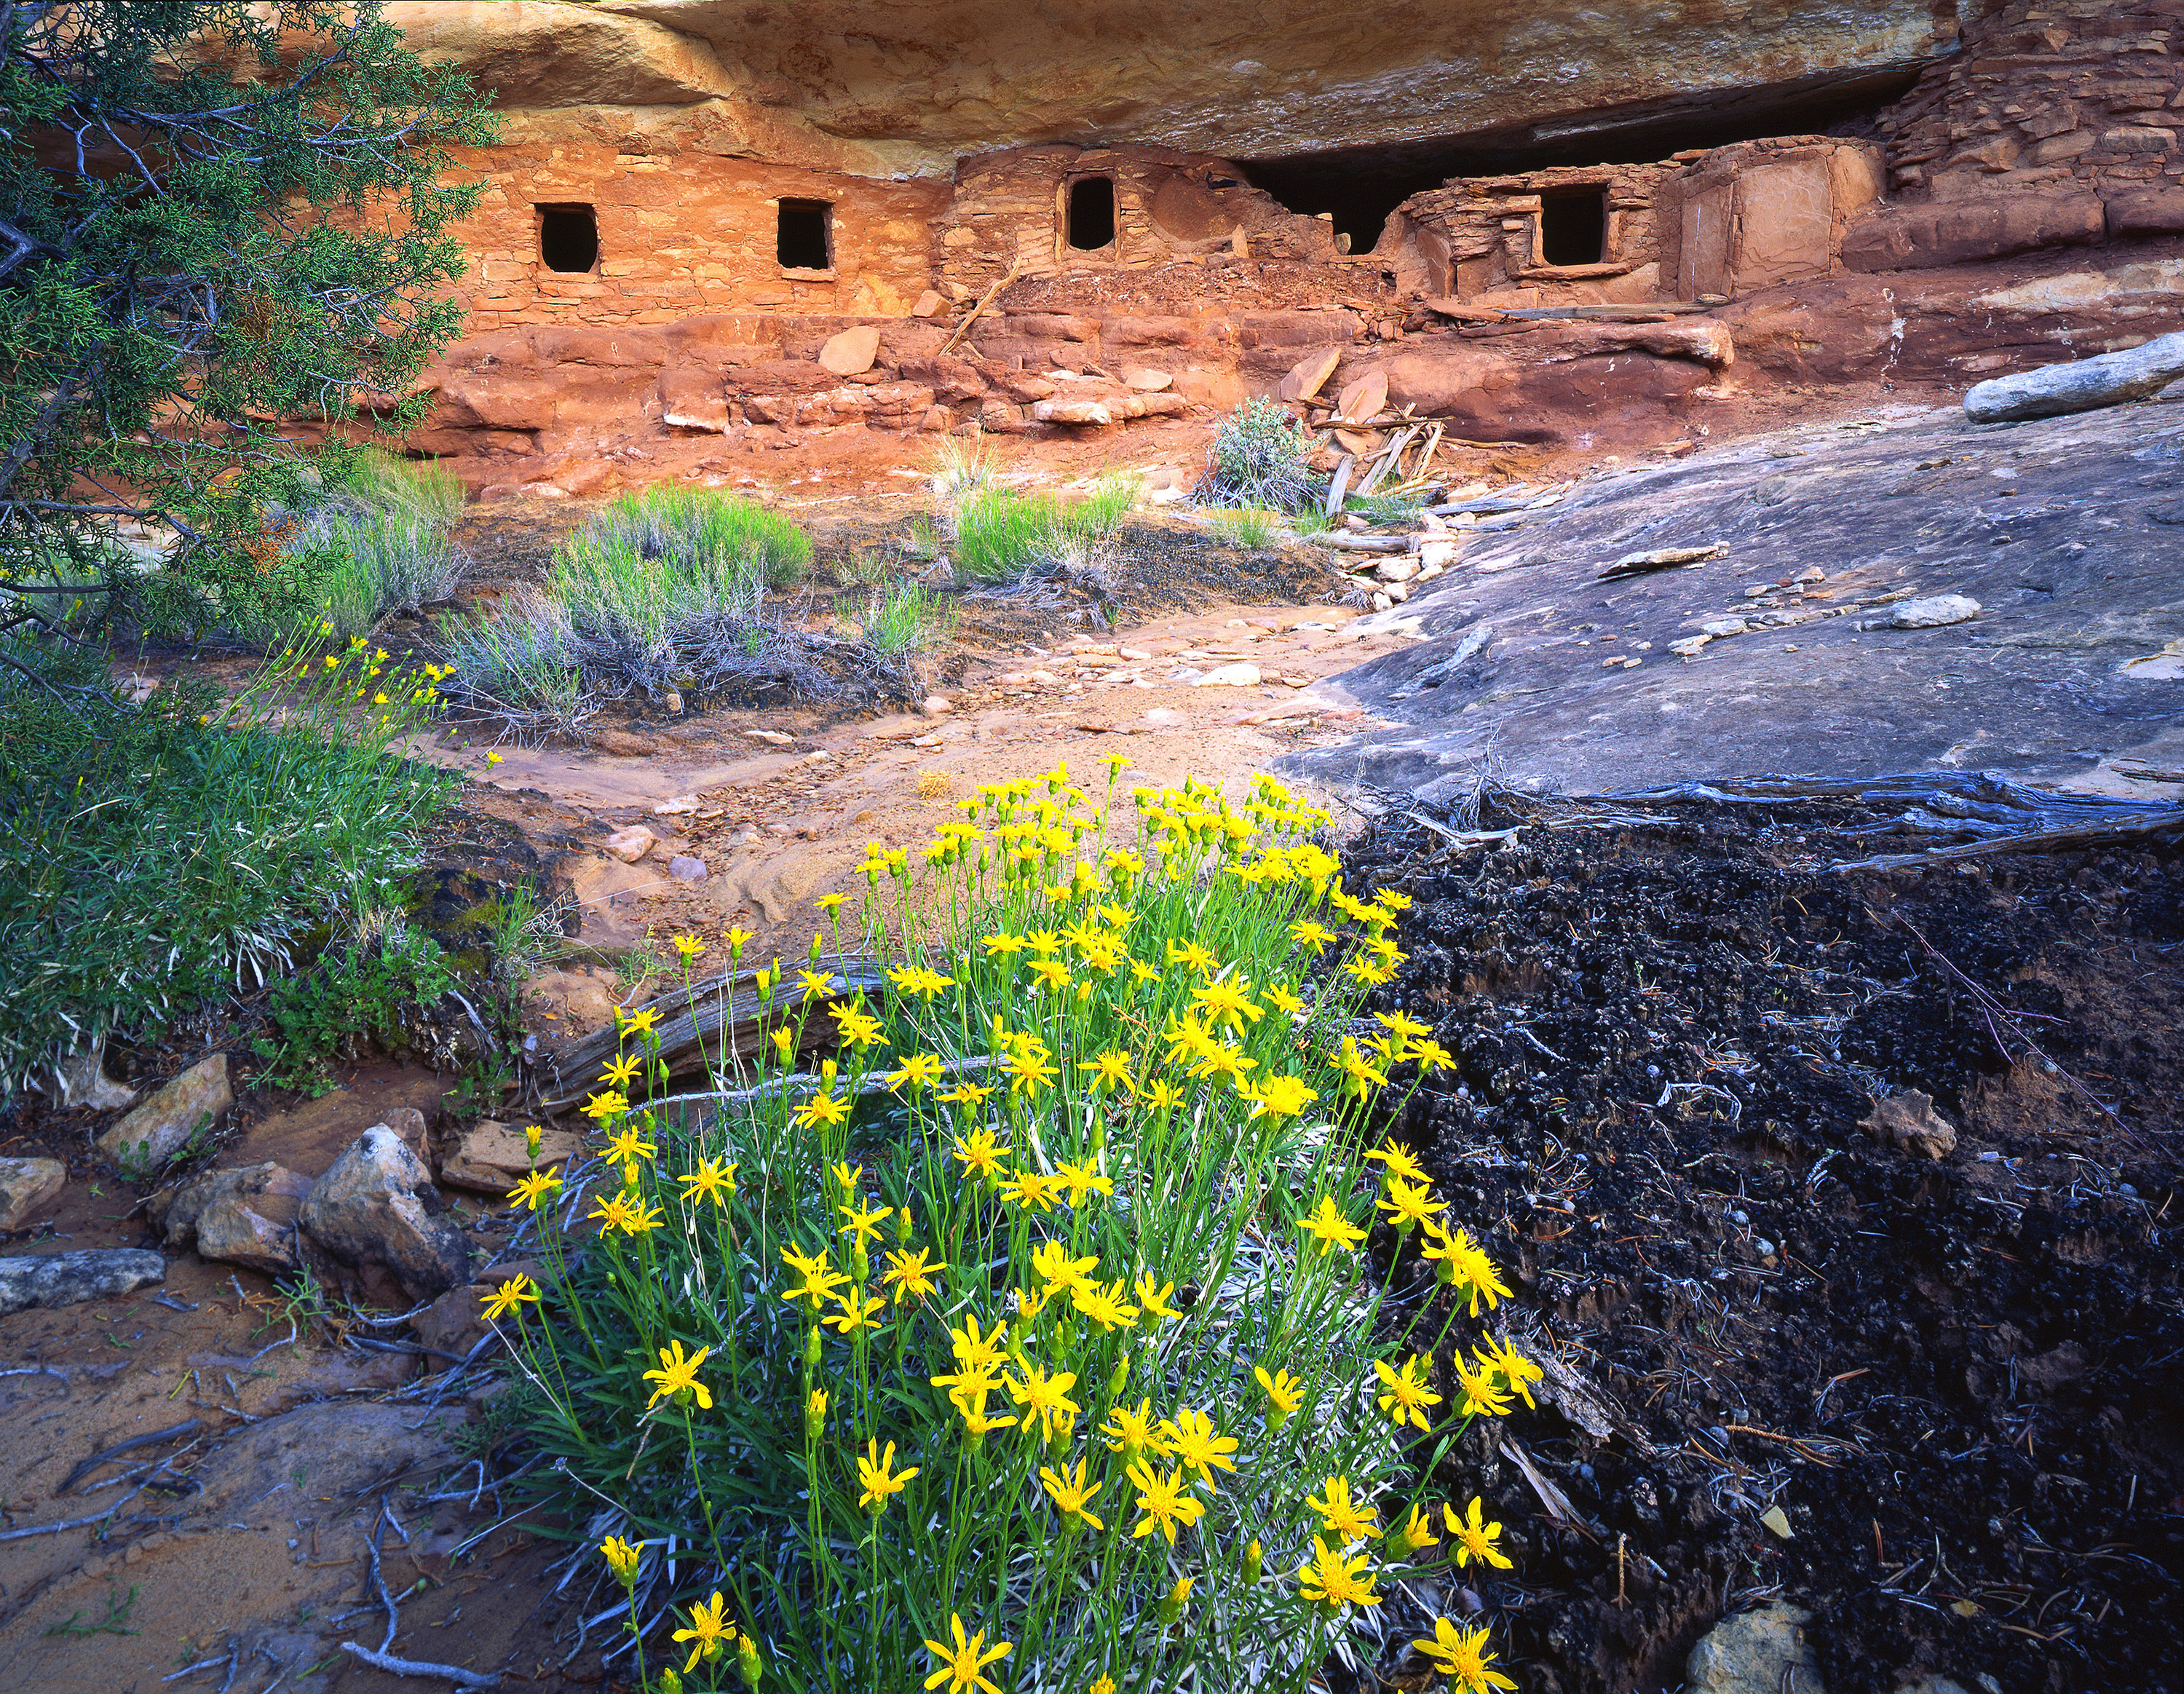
992,295
716,1019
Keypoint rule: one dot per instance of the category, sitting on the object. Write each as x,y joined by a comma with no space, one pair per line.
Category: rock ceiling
906,87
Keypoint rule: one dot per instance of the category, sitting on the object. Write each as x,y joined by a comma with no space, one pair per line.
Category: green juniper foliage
213,216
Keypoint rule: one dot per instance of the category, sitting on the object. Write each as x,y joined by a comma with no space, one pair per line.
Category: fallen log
2079,385
720,1018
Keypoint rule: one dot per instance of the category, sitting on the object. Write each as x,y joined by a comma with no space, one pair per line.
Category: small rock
491,1158
1397,569
1135,654
928,305
631,844
781,830
66,1279
1396,593
772,738
1438,555
271,1191
81,1081
818,755
1761,1652
26,1187
684,868
1777,1522
1908,1121
1934,612
851,352
377,1206
1240,676
1381,602
152,1134
1688,647
936,705
1811,573
1720,626
677,806
259,1232
1164,718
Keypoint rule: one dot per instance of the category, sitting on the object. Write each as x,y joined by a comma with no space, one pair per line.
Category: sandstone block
236,1231
850,352
490,1157
152,1134
1966,231
82,1080
377,1206
2146,211
1241,676
1072,412
1147,381
27,1187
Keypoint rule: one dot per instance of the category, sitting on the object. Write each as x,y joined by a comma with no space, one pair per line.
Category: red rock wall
2046,95
682,234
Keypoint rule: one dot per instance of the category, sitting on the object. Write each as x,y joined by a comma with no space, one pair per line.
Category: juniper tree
218,220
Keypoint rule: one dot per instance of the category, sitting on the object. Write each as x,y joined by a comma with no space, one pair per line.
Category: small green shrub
1258,458
908,619
1384,508
154,857
1000,535
1245,527
703,533
1311,521
1103,511
960,469
368,987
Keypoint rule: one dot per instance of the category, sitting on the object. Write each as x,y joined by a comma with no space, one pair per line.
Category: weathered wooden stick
991,295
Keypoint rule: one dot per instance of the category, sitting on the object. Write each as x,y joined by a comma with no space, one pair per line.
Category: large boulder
377,1206
1966,231
152,1134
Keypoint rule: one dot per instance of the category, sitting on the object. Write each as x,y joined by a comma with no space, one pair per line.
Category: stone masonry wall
1008,210
684,234
2047,94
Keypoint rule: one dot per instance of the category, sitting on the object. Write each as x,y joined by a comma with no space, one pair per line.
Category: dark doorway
805,240
1573,227
568,238
1091,212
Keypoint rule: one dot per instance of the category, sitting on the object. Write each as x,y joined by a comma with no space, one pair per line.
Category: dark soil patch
1958,1378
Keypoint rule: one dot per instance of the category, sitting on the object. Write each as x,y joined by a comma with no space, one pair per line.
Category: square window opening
1573,227
568,238
805,240
1091,224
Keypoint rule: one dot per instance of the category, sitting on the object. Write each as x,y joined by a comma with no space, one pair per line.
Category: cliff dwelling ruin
691,198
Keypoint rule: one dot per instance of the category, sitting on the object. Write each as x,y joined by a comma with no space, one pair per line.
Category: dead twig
413,1667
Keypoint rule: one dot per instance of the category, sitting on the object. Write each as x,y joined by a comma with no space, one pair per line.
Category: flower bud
747,1661
1120,1379
531,1135
1171,1605
1255,1558
814,1412
818,945
669,1683
902,1226
811,1347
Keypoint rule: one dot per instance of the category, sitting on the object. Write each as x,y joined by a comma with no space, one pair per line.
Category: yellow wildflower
821,1109
1070,1492
621,1557
534,1189
1475,1539
910,1276
678,1375
1399,1162
1285,1391
1081,1180
1045,1398
708,1628
1515,1371
980,1152
856,1312
1346,1520
1461,1655
960,1666
1326,1224
511,1295
873,1474
1154,1296
1416,1533
1335,1579
712,1180
1408,1394
1163,1504
1030,1190
1191,1438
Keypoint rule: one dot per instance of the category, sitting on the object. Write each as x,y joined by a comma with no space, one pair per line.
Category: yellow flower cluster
981,1209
